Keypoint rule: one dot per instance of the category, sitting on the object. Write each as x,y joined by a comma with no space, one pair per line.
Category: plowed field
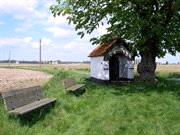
18,78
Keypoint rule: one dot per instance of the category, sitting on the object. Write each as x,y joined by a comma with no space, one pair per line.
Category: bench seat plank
75,87
32,106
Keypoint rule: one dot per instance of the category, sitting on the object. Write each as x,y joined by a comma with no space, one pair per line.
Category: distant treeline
43,62
14,61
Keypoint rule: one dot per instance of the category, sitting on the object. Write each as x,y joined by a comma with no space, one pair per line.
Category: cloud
59,32
79,43
15,41
29,11
79,46
21,9
51,19
35,44
18,7
44,42
24,27
27,40
71,45
58,20
49,3
40,14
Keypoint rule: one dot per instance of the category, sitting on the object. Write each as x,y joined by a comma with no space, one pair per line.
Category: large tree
152,26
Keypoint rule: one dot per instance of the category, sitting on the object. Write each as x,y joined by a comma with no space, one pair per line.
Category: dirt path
18,78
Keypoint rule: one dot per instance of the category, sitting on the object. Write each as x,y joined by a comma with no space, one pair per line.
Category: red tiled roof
101,49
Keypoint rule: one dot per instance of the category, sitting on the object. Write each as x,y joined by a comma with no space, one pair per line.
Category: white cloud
58,20
24,27
40,14
48,4
80,43
18,7
59,32
79,46
44,42
27,40
15,41
29,11
1,22
71,45
21,9
35,44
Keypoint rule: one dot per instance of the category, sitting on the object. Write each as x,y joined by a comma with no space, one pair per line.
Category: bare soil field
165,68
78,65
168,68
18,78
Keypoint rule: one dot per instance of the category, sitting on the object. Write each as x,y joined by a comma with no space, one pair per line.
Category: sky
24,22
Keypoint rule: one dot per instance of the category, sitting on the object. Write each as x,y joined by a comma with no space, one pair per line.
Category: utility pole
40,54
9,58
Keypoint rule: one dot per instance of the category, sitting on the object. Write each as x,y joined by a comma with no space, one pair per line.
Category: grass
134,109
168,75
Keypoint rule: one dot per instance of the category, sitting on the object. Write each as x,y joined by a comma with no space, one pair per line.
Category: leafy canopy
150,25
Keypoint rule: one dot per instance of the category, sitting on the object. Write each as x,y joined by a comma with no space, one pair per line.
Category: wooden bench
71,85
25,100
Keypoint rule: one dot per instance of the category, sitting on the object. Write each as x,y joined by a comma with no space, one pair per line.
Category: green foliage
135,109
152,25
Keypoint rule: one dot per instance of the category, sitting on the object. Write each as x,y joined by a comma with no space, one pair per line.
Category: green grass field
133,109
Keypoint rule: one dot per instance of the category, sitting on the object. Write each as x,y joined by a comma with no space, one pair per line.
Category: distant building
17,62
55,62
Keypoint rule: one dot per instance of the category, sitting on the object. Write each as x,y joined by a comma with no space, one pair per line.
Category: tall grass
96,109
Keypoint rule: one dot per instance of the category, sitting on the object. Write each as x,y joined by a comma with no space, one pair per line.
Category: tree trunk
146,68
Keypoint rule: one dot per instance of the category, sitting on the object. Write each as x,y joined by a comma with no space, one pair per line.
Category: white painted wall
130,70
99,68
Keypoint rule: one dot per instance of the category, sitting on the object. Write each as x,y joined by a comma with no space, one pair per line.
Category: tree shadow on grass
136,86
160,86
78,92
31,118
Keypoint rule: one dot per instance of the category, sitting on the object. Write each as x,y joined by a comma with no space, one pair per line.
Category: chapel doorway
114,68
